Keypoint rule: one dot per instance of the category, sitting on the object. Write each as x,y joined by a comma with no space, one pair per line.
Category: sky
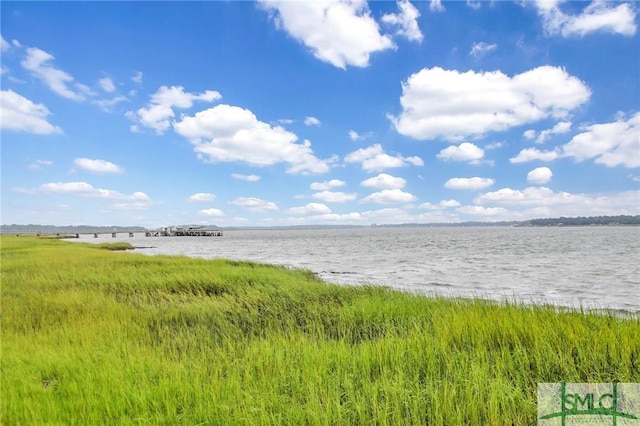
284,113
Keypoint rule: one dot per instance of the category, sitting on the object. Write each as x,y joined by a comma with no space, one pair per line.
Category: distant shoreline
560,221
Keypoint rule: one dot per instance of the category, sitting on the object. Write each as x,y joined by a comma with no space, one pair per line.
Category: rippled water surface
593,267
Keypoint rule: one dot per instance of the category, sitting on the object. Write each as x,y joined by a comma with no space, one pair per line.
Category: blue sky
320,112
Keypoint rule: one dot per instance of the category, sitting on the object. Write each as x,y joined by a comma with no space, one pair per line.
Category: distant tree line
582,221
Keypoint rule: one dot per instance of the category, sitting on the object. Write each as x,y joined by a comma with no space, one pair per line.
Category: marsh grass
114,246
97,337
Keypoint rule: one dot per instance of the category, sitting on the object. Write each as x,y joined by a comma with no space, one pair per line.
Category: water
593,267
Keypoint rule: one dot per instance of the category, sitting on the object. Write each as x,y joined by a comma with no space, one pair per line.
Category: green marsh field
95,336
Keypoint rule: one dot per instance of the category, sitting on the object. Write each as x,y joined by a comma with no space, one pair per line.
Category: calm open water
593,267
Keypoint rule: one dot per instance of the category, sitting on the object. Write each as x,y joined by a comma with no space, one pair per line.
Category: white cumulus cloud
559,129
389,196
542,201
469,183
449,203
311,121
255,204
335,197
464,152
598,16
406,21
326,185
355,136
483,211
159,112
452,104
564,203
18,113
212,212
539,175
97,166
528,196
247,178
373,158
531,154
342,219
612,144
342,33
226,133
87,190
201,197
385,181
444,204
310,209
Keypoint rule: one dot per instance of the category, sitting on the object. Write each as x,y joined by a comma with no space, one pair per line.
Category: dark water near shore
593,267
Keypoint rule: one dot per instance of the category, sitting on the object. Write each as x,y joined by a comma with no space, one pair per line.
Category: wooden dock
169,231
185,231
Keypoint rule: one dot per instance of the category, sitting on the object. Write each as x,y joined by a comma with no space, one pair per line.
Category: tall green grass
97,337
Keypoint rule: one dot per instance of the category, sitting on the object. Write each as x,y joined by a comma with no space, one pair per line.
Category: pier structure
169,231
185,231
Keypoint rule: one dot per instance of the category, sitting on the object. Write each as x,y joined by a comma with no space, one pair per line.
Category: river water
591,267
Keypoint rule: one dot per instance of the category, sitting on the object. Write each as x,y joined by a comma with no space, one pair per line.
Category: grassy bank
94,336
